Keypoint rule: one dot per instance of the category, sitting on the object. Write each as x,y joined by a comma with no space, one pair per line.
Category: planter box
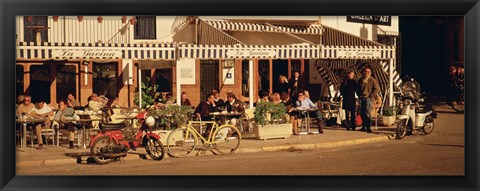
388,120
273,131
164,135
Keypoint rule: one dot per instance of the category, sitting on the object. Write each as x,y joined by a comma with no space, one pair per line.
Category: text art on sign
251,53
378,20
86,54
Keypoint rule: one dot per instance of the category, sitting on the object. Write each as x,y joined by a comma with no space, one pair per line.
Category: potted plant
170,118
148,95
388,117
270,121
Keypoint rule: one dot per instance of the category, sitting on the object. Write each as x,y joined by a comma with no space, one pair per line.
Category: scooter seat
112,126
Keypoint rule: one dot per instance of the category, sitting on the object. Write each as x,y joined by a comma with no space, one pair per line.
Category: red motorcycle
114,140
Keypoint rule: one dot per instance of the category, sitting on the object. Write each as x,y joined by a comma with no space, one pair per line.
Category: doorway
40,83
209,76
163,78
280,67
264,76
105,79
66,81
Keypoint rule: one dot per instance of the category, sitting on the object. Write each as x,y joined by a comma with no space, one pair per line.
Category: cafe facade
247,56
56,56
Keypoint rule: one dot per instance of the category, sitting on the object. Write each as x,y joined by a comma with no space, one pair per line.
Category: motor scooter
111,143
414,117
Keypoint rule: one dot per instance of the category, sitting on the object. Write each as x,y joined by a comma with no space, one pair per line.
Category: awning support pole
250,84
390,82
139,88
179,96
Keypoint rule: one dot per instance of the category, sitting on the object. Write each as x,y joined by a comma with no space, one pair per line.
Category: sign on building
378,20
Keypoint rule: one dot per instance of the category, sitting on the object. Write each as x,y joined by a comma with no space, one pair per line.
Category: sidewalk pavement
333,137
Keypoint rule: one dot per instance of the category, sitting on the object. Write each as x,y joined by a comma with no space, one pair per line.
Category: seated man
41,110
234,106
71,101
305,103
204,109
95,104
64,115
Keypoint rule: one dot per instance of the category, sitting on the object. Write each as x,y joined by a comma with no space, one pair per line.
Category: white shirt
44,110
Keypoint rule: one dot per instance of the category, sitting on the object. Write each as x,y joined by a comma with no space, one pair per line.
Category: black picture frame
9,9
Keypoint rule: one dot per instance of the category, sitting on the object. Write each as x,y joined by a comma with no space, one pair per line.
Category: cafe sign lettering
251,53
86,54
359,53
378,20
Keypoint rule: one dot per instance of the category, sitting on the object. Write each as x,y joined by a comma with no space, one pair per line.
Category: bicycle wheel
401,129
458,106
429,124
155,149
226,139
181,142
98,149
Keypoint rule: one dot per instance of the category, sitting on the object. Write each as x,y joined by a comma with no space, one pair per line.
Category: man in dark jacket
296,85
234,106
368,88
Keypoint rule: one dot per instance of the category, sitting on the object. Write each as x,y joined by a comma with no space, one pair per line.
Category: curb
313,145
134,156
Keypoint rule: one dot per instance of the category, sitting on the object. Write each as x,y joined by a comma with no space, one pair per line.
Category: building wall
90,30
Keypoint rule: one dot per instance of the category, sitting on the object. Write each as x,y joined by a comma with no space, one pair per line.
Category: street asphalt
333,137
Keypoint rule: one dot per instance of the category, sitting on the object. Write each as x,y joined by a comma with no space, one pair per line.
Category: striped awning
249,51
358,52
332,74
46,51
261,27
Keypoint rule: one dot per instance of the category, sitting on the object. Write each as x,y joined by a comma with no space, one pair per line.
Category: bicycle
459,103
225,139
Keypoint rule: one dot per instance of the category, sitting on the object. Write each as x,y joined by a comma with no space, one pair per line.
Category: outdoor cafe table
307,115
84,122
24,122
223,116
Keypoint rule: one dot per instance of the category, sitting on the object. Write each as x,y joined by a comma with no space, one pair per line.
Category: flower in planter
389,111
263,109
173,116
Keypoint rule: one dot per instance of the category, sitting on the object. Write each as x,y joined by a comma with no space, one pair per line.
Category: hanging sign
377,20
251,53
86,54
359,53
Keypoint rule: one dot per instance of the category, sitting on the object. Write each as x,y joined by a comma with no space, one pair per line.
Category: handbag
358,120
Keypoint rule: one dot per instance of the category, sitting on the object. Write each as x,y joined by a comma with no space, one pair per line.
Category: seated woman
289,104
276,98
305,103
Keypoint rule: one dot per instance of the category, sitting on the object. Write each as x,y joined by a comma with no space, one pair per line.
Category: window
19,79
245,87
145,27
34,24
40,82
66,81
105,79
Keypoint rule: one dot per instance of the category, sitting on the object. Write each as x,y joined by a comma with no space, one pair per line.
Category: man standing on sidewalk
368,88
